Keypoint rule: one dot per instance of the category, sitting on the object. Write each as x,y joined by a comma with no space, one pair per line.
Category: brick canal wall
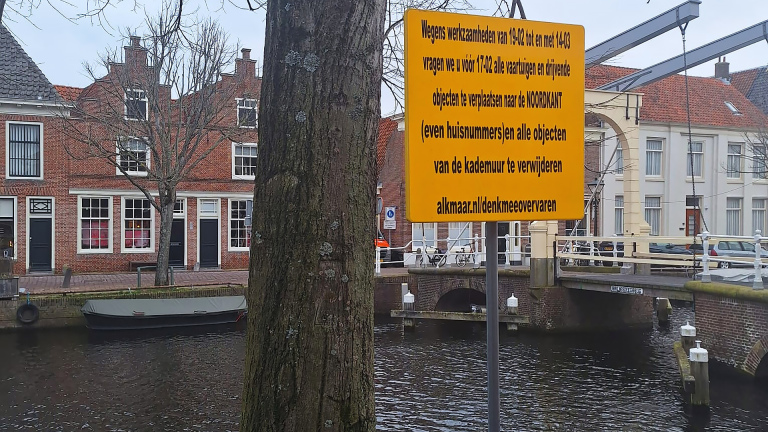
732,324
63,310
550,309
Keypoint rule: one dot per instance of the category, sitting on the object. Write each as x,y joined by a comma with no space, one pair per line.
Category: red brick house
59,210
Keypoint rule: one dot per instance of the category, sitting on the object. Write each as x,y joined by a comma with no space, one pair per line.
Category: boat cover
159,307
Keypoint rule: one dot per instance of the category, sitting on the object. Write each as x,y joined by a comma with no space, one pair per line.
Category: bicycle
465,255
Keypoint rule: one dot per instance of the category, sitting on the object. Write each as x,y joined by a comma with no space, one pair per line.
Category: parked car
737,249
668,248
606,250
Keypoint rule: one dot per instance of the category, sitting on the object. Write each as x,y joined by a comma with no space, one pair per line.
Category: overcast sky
60,47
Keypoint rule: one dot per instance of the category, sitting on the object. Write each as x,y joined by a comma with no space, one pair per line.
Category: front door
40,244
176,252
692,222
209,243
503,228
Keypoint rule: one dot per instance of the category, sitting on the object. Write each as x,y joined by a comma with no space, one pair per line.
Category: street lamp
596,188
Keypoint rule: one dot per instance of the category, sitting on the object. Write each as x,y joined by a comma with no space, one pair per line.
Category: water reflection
430,380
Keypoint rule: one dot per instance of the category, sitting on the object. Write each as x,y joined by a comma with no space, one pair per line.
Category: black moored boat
133,314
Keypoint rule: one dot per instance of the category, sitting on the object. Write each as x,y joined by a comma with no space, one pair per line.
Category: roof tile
665,100
20,78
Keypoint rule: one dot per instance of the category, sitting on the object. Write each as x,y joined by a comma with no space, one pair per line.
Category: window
179,207
694,160
653,214
209,207
95,223
619,160
733,170
25,150
618,210
423,235
460,233
7,227
244,161
239,231
653,151
133,156
732,108
758,215
247,114
693,201
135,104
759,166
733,216
137,224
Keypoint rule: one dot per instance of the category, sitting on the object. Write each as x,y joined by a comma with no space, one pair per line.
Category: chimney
245,67
135,54
721,70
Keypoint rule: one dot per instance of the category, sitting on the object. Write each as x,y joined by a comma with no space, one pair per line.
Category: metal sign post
492,322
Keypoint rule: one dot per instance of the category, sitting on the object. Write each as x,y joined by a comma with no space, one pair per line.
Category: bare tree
309,360
156,116
394,64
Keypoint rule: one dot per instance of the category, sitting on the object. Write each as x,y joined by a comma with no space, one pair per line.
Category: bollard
409,305
687,337
663,310
699,359
512,309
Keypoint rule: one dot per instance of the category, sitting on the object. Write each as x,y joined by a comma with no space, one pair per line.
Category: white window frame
697,157
619,171
118,160
660,156
255,109
733,165
759,162
618,215
110,223
734,213
456,230
234,158
655,230
417,242
230,220
125,104
8,150
759,214
151,247
15,212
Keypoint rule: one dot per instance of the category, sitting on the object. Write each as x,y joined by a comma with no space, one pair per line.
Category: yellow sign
494,118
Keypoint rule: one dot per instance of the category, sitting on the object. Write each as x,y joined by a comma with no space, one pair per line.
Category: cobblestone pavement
52,284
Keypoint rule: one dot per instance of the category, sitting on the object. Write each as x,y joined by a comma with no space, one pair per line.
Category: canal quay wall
732,323
552,308
63,310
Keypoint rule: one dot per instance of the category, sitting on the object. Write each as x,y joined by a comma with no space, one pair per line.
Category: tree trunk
309,361
167,202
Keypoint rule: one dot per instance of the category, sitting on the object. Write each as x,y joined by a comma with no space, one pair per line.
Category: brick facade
733,330
68,177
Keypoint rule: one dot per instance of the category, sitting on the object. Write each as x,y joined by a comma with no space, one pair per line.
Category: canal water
429,380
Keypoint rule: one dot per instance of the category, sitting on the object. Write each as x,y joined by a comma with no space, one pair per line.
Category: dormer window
247,116
135,104
732,107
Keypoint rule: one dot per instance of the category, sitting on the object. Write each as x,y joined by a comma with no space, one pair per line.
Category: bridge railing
663,252
734,251
462,251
